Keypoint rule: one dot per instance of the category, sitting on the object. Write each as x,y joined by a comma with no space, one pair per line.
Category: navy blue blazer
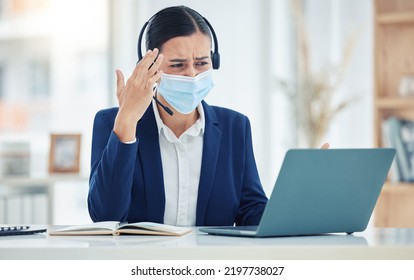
126,180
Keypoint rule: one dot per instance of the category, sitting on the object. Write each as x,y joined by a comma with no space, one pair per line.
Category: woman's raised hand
135,96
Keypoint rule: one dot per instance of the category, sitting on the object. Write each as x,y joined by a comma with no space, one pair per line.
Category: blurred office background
57,63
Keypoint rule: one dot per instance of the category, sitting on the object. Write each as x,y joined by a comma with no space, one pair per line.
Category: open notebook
321,191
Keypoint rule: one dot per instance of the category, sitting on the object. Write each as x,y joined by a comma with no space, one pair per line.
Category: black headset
215,56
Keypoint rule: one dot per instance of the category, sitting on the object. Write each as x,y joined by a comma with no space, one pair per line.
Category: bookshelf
393,58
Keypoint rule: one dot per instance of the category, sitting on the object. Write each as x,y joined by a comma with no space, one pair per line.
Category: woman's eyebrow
178,60
201,58
184,59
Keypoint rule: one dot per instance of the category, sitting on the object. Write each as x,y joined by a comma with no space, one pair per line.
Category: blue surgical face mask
185,93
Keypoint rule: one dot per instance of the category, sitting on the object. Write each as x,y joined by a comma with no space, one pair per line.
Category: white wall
330,23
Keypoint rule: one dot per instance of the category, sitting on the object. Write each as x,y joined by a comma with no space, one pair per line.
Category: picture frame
64,155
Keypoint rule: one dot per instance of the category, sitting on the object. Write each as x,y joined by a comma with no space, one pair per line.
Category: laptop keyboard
13,227
248,228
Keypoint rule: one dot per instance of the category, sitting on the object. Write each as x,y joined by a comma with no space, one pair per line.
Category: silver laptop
321,191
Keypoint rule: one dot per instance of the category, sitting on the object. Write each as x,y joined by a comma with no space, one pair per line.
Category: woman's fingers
145,64
135,94
325,146
154,74
155,66
154,79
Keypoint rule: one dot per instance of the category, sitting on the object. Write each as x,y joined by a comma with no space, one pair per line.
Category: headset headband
215,56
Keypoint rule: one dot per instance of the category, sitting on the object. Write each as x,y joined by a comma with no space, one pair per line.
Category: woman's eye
201,63
177,65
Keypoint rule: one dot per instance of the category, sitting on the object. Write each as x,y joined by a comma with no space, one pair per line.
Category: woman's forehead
197,44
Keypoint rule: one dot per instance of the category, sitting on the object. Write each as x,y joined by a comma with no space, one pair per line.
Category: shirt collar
197,128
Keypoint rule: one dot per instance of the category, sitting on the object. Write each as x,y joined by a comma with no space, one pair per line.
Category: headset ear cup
215,58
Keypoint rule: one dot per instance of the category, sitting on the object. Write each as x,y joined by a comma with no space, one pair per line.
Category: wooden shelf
400,187
395,18
394,58
395,206
395,103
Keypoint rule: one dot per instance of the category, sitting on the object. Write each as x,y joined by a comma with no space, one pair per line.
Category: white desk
21,185
389,244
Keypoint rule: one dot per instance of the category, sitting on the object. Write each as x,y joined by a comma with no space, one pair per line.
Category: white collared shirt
181,164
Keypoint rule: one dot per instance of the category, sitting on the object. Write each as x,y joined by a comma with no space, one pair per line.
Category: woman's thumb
119,81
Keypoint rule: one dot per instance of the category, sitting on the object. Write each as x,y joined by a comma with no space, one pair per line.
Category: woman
165,155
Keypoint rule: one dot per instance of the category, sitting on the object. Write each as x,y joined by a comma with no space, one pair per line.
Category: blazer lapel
150,156
211,147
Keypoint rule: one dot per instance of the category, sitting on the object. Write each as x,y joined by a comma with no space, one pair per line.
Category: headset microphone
166,109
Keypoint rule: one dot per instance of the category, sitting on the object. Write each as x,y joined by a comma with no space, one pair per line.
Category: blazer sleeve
253,199
111,177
